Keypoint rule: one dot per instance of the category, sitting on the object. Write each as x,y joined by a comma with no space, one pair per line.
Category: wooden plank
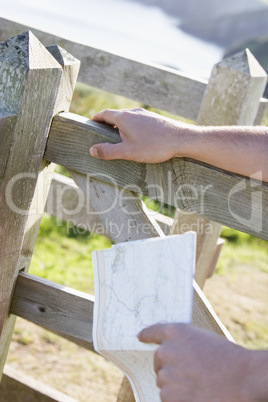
153,85
88,345
29,82
100,194
123,214
19,387
207,235
69,313
261,112
221,106
70,69
67,202
223,197
69,141
247,80
53,306
104,195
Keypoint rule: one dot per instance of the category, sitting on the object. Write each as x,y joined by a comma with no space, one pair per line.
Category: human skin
151,138
193,364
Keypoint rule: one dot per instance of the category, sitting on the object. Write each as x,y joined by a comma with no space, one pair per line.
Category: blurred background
190,36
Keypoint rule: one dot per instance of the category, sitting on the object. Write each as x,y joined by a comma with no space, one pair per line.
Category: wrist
188,140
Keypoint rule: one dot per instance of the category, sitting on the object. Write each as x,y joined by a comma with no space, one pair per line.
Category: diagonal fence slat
100,194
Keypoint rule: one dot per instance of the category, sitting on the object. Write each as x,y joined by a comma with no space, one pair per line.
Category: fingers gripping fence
37,131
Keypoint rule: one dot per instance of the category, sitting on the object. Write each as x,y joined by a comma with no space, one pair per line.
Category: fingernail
94,152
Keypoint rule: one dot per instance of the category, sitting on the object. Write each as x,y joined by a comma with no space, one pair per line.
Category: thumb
107,151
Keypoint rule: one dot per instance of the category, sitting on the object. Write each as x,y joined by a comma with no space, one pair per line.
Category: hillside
228,29
232,25
223,23
207,9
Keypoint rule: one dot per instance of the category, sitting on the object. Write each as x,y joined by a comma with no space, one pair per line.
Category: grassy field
238,292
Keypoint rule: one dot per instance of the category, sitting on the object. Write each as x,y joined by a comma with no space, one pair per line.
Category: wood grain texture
262,112
164,88
72,201
69,313
235,87
29,82
70,68
223,197
207,235
67,202
53,306
36,210
72,135
19,387
154,85
222,106
123,214
120,216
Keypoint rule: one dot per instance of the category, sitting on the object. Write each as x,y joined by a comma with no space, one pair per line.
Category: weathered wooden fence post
70,68
29,83
232,97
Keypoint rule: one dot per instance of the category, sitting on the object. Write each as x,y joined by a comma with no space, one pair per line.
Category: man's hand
146,136
151,138
193,364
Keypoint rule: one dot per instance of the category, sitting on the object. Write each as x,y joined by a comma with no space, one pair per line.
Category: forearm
150,138
242,150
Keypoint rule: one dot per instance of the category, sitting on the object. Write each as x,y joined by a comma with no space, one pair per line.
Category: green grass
87,101
242,248
63,254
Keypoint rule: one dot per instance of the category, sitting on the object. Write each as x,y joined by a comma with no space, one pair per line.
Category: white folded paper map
137,284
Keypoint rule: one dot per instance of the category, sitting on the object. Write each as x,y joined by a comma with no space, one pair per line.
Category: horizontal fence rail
230,199
69,313
154,85
197,188
53,306
19,387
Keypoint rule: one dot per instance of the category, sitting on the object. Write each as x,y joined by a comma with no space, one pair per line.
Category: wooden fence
36,87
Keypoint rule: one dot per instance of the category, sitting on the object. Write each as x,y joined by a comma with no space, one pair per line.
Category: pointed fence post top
18,55
70,69
233,94
245,62
62,56
25,52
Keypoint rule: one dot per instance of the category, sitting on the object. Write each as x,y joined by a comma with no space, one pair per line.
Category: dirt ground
240,300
